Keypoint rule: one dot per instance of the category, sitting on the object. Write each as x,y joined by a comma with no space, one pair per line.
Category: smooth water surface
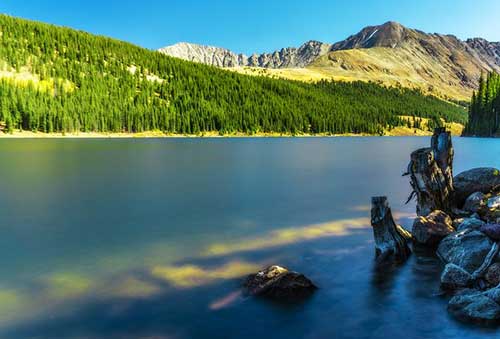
151,238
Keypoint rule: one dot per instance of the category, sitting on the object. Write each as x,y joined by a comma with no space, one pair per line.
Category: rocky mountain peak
391,35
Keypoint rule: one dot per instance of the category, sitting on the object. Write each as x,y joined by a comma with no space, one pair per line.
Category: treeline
80,82
484,112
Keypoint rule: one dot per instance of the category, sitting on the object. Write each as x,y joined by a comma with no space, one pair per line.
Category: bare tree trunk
391,241
431,174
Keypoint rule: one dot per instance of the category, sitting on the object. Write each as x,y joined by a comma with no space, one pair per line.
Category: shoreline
210,135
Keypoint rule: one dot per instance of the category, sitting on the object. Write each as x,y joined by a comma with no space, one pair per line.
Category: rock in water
476,306
279,283
432,229
454,277
475,202
491,230
466,249
476,180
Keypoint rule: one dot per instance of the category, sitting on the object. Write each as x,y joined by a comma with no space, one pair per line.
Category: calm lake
150,238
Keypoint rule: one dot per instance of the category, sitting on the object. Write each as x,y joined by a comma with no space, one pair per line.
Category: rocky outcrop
432,229
488,52
278,283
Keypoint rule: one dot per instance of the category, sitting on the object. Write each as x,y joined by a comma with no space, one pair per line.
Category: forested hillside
55,79
484,115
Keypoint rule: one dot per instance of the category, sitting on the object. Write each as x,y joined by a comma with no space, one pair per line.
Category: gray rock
475,202
432,229
491,230
476,180
466,249
454,277
494,202
494,294
493,274
469,224
477,307
279,283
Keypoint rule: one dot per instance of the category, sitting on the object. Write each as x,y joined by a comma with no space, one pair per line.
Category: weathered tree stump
391,240
444,153
431,175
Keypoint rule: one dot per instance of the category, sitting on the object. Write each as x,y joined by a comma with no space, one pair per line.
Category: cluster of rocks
471,250
459,217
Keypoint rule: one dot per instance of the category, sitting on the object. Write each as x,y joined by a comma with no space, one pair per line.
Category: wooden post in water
431,174
391,240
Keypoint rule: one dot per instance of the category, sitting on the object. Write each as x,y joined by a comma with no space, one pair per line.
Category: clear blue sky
257,25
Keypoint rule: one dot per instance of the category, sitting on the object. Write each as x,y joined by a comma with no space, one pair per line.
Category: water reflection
191,275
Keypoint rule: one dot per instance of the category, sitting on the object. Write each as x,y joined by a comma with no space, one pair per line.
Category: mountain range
391,54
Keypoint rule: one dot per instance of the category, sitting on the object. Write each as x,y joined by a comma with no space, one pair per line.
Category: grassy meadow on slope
55,79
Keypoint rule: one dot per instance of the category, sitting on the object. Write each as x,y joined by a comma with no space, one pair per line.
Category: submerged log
391,240
431,175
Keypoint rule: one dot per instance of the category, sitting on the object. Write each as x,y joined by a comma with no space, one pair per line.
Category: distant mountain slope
394,55
55,79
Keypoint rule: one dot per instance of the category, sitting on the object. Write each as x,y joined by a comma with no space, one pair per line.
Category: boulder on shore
278,283
430,230
476,180
466,249
454,277
491,230
475,202
493,275
494,202
468,224
477,306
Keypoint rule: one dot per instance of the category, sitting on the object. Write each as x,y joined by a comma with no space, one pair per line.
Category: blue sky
257,25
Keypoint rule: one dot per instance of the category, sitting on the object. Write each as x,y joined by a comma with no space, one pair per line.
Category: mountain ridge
222,57
393,54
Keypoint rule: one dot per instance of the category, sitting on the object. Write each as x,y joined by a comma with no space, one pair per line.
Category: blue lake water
150,238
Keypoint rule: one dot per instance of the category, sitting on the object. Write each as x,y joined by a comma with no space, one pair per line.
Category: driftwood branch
391,240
